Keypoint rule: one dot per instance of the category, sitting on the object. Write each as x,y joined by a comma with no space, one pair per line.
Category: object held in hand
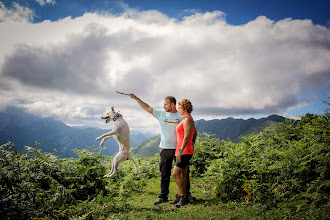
122,93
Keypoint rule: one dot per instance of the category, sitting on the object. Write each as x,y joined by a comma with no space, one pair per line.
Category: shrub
35,184
207,148
285,167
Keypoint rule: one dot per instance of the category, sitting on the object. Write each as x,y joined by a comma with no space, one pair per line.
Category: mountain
24,129
232,129
224,129
147,148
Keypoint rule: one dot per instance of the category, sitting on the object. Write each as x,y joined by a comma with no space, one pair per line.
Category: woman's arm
188,126
195,135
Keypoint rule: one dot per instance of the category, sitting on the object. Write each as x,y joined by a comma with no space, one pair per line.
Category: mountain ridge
24,129
224,129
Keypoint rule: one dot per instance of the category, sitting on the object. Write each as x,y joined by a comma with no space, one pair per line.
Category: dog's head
110,115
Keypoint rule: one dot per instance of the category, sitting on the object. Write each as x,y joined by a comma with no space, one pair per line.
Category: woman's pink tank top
189,149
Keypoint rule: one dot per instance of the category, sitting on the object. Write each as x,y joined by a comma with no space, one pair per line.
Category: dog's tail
135,165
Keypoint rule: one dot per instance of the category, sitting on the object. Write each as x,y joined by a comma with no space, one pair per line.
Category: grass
205,207
139,205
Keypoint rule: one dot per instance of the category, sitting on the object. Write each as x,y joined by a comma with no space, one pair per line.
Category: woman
184,149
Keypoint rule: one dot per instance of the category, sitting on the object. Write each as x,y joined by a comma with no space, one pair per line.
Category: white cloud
15,13
294,117
70,68
44,2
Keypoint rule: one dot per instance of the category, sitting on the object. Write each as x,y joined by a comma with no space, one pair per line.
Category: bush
287,167
206,149
35,184
127,181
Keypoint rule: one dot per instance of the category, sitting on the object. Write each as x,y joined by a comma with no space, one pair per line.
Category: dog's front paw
106,176
98,138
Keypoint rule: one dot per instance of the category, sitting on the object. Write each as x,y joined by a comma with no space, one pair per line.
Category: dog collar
117,115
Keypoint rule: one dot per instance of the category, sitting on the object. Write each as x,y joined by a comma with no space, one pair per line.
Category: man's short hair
171,98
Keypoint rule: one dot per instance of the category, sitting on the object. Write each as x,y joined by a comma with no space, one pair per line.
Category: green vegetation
282,173
147,148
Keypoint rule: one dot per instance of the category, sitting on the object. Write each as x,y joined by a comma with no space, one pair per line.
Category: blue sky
65,58
238,11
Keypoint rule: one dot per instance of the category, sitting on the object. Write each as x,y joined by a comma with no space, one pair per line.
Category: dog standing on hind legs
120,133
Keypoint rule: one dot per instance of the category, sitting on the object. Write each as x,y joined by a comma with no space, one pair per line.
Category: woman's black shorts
184,161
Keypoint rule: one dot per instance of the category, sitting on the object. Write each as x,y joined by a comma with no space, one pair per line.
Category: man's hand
143,105
133,96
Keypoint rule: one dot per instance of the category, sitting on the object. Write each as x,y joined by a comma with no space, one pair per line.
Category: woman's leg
177,174
185,180
180,176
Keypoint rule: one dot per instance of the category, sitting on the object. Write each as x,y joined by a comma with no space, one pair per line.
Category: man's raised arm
143,105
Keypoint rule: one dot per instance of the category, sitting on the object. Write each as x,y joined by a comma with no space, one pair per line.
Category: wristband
180,151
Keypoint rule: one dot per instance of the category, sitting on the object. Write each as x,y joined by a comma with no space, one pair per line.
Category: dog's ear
112,108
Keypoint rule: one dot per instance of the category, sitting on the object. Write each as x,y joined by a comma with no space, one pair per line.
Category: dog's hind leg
121,156
113,169
135,165
108,175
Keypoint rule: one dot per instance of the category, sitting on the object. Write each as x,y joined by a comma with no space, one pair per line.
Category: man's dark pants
166,157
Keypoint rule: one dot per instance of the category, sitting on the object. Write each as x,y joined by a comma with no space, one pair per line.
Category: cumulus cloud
71,67
44,2
15,13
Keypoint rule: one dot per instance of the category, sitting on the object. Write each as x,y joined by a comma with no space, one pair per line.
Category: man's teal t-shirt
168,123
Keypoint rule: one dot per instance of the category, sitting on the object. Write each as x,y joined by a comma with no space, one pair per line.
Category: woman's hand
178,158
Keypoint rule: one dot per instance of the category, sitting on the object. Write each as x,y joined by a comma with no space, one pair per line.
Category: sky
246,58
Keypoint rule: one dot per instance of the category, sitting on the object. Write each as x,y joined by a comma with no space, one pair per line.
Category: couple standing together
177,136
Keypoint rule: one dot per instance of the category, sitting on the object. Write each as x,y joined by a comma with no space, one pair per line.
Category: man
168,121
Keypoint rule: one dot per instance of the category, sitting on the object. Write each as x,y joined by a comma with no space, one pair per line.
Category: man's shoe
175,200
160,200
183,201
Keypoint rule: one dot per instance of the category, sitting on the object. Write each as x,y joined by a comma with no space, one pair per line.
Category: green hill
147,148
232,129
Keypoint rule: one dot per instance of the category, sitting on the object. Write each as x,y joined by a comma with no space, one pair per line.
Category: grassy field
139,205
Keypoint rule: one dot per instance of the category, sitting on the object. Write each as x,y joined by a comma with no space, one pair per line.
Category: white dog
120,133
